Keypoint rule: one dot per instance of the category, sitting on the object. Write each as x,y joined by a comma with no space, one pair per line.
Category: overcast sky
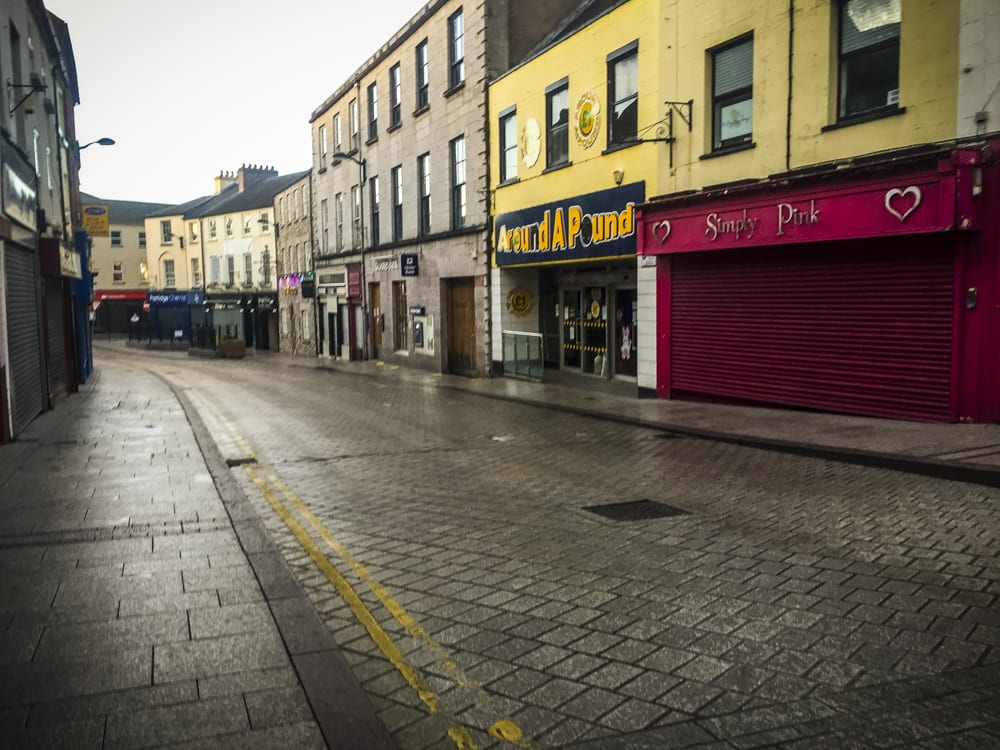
194,87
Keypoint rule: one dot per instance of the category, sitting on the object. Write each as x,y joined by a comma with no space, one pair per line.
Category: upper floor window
169,276
732,94
395,96
508,145
397,204
193,231
424,194
423,75
375,198
247,225
324,225
869,56
338,133
355,125
211,229
323,145
338,216
557,124
142,238
116,238
265,221
166,232
265,267
623,94
229,226
456,49
117,272
458,194
372,111
356,235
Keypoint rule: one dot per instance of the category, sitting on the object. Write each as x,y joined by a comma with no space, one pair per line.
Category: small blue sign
409,264
174,298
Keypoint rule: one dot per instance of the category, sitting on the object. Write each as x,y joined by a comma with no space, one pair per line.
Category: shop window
732,95
400,317
623,94
458,194
868,57
423,76
395,97
424,194
557,124
508,145
456,49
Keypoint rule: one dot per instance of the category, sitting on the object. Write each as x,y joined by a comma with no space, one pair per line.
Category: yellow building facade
689,101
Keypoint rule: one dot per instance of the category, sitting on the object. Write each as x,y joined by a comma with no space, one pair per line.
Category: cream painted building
296,280
400,200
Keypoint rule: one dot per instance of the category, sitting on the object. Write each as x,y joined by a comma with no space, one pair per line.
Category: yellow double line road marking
270,487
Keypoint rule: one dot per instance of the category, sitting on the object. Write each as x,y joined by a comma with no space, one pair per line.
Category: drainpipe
788,116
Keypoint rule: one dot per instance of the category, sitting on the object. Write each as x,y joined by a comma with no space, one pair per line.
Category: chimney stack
224,180
249,174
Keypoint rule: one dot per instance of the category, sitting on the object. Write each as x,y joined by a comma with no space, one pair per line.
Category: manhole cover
635,510
241,461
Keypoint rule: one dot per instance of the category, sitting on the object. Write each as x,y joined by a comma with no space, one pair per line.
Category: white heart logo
902,194
661,230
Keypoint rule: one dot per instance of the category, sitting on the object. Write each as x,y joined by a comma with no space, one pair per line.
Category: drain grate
635,510
241,461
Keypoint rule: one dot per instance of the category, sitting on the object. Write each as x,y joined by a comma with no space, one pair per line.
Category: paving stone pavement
798,602
133,614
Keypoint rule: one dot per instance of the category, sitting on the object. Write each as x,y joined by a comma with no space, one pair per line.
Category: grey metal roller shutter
56,338
27,399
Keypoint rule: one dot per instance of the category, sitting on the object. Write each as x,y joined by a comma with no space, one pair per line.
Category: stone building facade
296,281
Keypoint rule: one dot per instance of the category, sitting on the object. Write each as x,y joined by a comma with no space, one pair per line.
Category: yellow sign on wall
96,221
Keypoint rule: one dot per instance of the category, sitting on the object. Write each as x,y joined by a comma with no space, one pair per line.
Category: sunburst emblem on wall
531,142
520,302
587,119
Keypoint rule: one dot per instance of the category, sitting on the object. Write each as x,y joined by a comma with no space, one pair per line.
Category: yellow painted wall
675,37
582,59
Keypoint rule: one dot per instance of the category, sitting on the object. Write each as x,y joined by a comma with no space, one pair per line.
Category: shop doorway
378,321
585,330
461,316
626,315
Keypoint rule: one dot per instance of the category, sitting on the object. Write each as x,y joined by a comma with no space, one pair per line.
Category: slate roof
124,212
587,12
259,194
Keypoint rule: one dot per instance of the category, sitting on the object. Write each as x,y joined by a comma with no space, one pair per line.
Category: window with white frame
116,238
456,48
117,272
230,270
265,267
193,231
247,225
322,146
264,220
355,125
324,223
356,238
458,196
395,97
508,145
375,198
143,272
247,268
423,75
623,94
195,272
732,94
372,111
397,203
338,209
166,232
142,238
229,226
212,231
169,275
215,272
424,194
868,57
557,124
338,133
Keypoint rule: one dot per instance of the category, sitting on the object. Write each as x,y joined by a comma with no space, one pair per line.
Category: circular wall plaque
531,142
588,119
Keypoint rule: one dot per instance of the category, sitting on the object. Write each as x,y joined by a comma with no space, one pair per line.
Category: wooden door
461,322
377,320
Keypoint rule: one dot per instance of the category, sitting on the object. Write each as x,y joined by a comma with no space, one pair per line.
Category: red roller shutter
864,328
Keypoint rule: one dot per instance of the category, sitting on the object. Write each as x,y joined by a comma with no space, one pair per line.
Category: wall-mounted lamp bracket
35,83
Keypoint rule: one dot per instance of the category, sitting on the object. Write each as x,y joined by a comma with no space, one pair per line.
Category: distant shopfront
250,318
566,274
869,290
172,314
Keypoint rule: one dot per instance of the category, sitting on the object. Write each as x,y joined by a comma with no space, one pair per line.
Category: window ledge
420,110
875,114
557,167
511,181
454,89
393,128
612,147
727,150
370,141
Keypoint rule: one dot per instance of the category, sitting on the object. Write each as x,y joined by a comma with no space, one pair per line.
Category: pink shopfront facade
870,289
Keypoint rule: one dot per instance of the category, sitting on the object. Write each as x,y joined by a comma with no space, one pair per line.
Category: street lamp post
361,230
98,142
